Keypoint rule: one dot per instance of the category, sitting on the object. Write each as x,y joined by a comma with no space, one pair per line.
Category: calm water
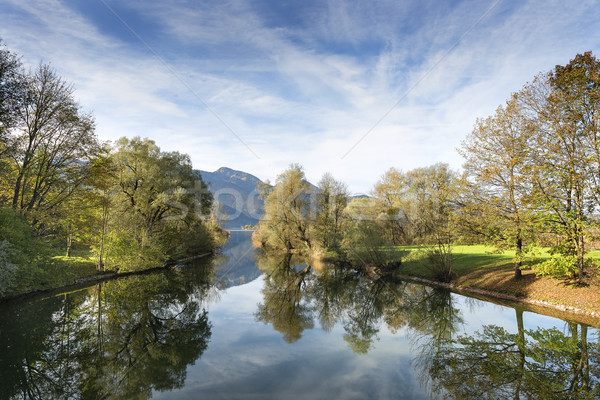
251,326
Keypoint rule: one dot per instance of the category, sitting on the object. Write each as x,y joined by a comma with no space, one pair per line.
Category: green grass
64,270
467,258
59,270
52,270
483,267
594,254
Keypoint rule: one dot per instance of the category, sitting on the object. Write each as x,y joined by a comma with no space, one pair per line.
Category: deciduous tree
54,142
288,210
497,184
12,91
332,199
562,107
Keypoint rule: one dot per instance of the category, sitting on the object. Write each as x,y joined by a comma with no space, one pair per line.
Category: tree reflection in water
492,363
120,339
129,338
283,293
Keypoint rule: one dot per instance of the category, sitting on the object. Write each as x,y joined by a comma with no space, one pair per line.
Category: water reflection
361,335
120,339
294,296
235,264
493,363
490,363
283,293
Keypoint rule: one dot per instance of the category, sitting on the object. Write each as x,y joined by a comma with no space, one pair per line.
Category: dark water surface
252,326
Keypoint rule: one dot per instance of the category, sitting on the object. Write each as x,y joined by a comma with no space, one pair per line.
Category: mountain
237,196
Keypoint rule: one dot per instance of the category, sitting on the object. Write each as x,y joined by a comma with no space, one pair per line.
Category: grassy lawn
52,271
484,268
58,271
64,270
465,259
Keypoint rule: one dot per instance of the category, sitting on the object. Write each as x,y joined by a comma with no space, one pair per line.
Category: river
246,325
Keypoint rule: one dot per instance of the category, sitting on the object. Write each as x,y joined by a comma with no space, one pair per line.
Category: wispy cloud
300,83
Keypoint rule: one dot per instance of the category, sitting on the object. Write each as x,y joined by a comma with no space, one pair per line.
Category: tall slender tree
332,199
563,109
390,192
12,90
54,142
496,180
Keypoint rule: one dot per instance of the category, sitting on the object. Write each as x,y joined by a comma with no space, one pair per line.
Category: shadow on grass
499,278
476,267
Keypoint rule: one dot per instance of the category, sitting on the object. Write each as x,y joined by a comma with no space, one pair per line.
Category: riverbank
478,271
84,272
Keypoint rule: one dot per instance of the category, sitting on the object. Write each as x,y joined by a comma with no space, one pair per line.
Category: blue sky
347,87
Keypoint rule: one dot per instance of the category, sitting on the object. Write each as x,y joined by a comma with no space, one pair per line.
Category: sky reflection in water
245,357
232,330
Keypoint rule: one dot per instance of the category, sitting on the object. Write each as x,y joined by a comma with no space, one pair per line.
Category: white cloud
303,92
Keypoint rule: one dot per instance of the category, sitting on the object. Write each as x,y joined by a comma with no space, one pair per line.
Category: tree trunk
585,379
580,259
17,192
69,242
518,252
22,174
521,347
100,263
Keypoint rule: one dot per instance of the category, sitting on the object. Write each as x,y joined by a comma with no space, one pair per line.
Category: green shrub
440,262
126,253
559,266
8,269
22,255
365,247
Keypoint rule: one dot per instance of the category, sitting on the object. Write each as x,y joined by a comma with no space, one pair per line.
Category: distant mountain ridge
236,195
227,177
